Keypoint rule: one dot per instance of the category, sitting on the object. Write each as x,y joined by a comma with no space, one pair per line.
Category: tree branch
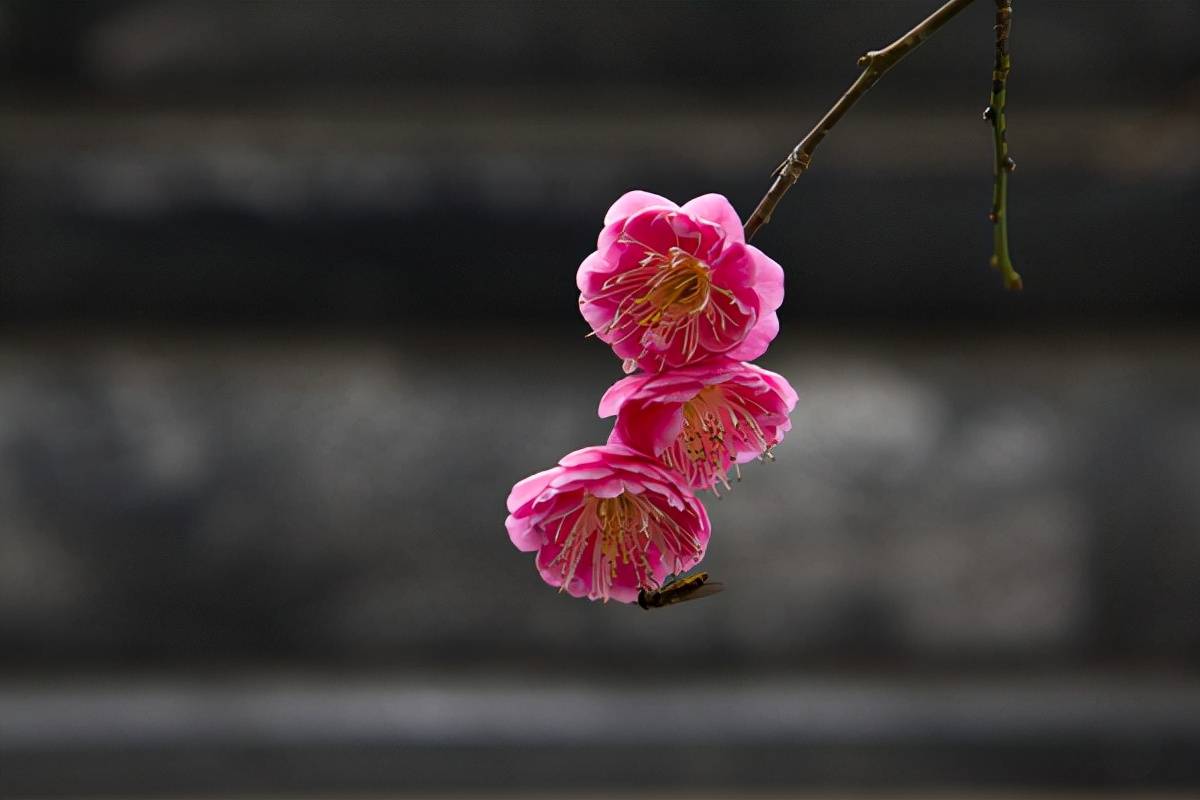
874,64
1003,164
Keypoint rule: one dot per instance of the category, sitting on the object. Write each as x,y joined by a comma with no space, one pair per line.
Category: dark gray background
287,294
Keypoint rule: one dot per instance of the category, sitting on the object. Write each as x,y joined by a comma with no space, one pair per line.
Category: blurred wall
287,294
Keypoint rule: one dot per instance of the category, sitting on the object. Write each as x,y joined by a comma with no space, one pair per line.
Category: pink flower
668,286
606,522
703,418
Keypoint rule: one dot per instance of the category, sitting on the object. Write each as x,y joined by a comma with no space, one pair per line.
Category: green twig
1003,164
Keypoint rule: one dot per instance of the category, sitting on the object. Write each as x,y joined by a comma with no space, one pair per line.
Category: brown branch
874,64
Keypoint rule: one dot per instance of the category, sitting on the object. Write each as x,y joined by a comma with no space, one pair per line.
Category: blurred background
287,301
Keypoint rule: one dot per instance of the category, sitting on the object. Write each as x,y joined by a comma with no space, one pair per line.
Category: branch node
793,166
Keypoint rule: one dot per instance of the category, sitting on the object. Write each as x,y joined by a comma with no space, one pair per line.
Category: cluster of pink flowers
685,303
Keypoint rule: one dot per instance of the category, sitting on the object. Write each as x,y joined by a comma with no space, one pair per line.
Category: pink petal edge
632,202
716,208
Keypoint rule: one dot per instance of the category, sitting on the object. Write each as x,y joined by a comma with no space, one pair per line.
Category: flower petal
779,384
716,208
620,392
525,536
735,268
584,456
760,337
529,488
648,427
768,280
592,266
630,203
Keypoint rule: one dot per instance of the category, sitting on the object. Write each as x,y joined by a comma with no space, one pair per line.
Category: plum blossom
607,522
703,418
668,285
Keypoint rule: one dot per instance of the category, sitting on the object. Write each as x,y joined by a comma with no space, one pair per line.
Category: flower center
666,296
717,425
679,288
616,531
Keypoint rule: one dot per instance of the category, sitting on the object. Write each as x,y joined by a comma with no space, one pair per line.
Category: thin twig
874,64
1003,164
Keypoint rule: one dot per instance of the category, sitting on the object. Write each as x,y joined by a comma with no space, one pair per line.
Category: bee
679,590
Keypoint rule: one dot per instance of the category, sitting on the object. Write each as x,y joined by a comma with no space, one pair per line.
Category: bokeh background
287,295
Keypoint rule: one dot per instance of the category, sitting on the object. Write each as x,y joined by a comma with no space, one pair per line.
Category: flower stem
1004,164
874,64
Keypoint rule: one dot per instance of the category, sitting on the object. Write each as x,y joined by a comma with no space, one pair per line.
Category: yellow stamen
715,423
618,529
674,292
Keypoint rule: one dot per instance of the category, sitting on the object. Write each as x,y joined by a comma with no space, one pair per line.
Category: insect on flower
679,590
